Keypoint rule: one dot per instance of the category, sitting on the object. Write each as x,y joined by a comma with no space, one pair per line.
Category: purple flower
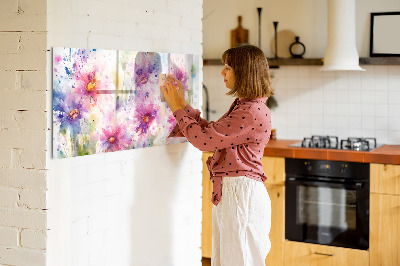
145,116
181,76
147,66
68,110
115,138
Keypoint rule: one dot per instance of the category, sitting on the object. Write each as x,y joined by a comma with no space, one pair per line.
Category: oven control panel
336,169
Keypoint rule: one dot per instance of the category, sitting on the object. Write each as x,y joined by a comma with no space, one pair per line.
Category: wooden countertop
389,154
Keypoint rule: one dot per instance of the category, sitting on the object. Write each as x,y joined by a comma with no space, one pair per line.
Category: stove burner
328,142
358,144
332,142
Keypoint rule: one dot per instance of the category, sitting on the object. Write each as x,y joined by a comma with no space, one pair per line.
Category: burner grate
327,142
358,144
332,142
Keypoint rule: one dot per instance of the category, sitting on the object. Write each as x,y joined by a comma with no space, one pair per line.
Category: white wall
305,18
137,207
344,103
23,132
311,102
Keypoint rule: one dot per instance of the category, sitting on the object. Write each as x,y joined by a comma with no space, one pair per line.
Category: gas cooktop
332,142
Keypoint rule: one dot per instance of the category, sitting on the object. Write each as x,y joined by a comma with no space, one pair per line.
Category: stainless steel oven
327,202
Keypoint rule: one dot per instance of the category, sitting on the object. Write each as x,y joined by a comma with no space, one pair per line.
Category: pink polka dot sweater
238,139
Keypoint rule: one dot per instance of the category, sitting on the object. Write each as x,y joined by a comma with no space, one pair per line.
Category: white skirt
241,223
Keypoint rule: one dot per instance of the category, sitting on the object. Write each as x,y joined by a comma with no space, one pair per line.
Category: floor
206,261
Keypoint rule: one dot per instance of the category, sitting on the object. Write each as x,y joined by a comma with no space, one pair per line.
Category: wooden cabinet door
206,226
384,236
385,178
277,233
274,168
305,254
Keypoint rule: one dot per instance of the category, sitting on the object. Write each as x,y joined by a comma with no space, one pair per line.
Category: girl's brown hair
250,66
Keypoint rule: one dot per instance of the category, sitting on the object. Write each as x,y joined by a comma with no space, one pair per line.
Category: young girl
242,208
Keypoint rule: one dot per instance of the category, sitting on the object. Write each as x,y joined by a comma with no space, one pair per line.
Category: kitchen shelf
273,63
380,61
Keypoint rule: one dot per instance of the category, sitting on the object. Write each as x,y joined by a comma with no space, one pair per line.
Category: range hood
341,51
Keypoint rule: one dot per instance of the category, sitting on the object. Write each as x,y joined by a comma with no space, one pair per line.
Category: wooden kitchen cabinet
206,225
305,254
384,236
274,168
277,233
385,178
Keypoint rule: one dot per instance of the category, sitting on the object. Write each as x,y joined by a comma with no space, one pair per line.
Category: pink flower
87,82
181,75
115,138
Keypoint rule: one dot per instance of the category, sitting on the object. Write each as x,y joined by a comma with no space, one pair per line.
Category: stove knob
343,168
308,166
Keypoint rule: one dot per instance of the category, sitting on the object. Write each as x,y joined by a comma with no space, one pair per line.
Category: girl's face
229,76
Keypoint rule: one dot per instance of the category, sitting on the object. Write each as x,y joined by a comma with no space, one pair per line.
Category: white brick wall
138,207
23,128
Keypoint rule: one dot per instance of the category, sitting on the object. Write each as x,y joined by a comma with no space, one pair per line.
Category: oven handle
357,185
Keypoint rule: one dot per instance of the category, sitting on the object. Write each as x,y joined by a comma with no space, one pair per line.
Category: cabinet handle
325,254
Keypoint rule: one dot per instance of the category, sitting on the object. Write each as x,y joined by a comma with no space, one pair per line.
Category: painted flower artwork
107,100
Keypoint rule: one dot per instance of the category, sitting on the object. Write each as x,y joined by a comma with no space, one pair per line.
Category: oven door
327,213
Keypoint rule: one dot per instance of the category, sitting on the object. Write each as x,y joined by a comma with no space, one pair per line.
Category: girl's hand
174,93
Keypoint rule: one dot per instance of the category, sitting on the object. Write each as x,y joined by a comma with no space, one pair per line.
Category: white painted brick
23,218
197,166
9,42
17,256
149,6
23,178
23,139
196,38
197,10
7,80
134,43
23,100
97,173
31,55
107,10
33,7
23,22
33,239
5,158
179,7
182,35
31,80
153,32
79,228
168,19
190,22
31,120
16,158
105,41
33,199
98,222
33,159
9,237
8,6
8,197
114,186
